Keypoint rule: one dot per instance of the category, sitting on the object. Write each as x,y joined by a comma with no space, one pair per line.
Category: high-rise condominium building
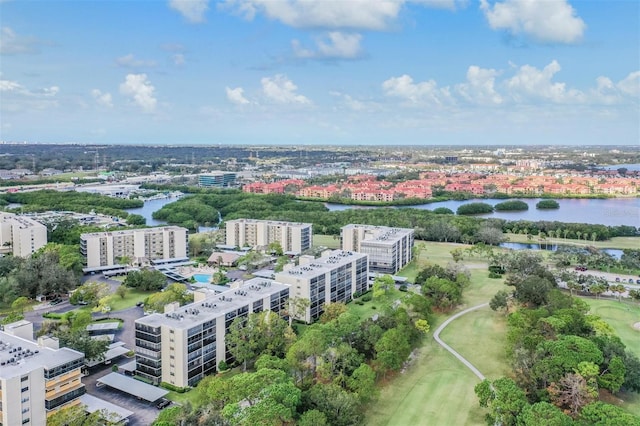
389,249
182,346
20,235
36,381
105,249
334,277
294,238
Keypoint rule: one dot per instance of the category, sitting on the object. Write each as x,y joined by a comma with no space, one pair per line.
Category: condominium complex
334,277
36,381
294,238
389,249
217,179
182,346
20,235
102,250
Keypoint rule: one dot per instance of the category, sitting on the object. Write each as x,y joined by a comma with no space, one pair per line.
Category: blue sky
393,72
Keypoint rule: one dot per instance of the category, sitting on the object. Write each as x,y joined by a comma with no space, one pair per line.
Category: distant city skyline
304,72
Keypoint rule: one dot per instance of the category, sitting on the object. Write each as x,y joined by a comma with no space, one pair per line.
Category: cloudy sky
384,72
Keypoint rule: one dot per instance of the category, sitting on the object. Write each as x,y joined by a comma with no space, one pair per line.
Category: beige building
294,238
389,249
102,250
20,235
334,277
186,343
35,380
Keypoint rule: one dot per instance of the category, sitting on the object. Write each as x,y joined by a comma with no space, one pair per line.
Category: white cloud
426,91
102,99
532,83
10,86
480,86
17,88
549,21
130,61
17,97
356,104
178,59
630,85
281,90
236,96
14,44
138,88
192,10
335,44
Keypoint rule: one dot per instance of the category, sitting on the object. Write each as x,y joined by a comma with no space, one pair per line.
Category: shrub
442,210
548,204
496,269
174,388
494,275
513,205
403,287
474,208
367,298
222,366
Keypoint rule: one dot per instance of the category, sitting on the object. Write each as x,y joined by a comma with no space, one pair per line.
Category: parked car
581,268
164,402
630,280
139,304
637,281
617,279
55,302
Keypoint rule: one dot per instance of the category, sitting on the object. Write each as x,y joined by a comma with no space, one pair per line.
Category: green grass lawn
132,297
328,241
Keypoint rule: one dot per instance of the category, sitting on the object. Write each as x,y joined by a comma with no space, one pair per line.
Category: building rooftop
380,233
324,264
131,231
271,222
215,305
19,356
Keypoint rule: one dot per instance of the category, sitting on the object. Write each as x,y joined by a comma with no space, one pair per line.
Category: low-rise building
35,380
20,235
389,249
334,277
102,250
294,237
185,344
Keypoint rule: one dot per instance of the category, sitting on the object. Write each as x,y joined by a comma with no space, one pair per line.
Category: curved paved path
436,336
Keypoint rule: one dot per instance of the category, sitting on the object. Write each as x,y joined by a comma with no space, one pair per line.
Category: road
436,336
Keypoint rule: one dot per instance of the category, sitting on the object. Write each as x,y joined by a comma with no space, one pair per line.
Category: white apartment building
20,235
389,249
334,277
35,381
182,346
102,250
294,238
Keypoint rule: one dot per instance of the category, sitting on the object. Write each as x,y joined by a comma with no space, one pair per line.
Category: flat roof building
294,237
36,381
389,249
141,246
20,235
334,277
217,179
182,346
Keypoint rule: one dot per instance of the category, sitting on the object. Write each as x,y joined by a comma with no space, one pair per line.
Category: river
610,211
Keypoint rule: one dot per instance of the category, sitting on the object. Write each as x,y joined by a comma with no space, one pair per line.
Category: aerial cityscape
318,212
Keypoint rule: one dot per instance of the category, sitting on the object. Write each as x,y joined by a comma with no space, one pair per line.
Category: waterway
610,211
616,253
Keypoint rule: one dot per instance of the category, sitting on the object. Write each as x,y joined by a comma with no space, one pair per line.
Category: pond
616,253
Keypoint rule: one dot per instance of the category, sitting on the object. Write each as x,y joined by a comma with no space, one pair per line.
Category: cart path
436,336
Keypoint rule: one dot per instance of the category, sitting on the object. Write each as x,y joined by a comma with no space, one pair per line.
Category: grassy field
436,389
621,316
132,297
615,242
328,241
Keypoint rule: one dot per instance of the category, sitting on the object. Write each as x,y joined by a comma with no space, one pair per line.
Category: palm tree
594,235
578,234
565,232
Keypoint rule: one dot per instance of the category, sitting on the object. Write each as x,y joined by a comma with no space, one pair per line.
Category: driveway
126,333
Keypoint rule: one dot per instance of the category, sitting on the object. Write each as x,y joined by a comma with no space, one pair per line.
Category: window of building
24,379
24,389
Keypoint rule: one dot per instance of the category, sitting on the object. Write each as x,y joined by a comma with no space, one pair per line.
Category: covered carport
93,404
133,387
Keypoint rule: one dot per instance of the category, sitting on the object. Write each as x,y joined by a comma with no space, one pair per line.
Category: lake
610,211
616,253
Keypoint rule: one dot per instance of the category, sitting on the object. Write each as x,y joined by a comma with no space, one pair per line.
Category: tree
21,304
90,293
43,274
297,308
332,311
136,220
122,291
442,292
442,231
533,291
598,289
500,301
391,350
363,383
76,415
93,349
146,280
313,418
382,284
175,292
504,399
543,413
275,248
600,413
474,208
613,377
338,405
81,320
422,325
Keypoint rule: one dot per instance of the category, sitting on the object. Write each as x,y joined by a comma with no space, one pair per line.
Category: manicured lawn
182,398
132,297
328,241
621,316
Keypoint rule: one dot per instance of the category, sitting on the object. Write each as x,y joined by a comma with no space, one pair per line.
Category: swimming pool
202,278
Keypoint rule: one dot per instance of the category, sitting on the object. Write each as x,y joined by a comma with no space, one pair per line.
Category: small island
547,205
474,208
511,206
